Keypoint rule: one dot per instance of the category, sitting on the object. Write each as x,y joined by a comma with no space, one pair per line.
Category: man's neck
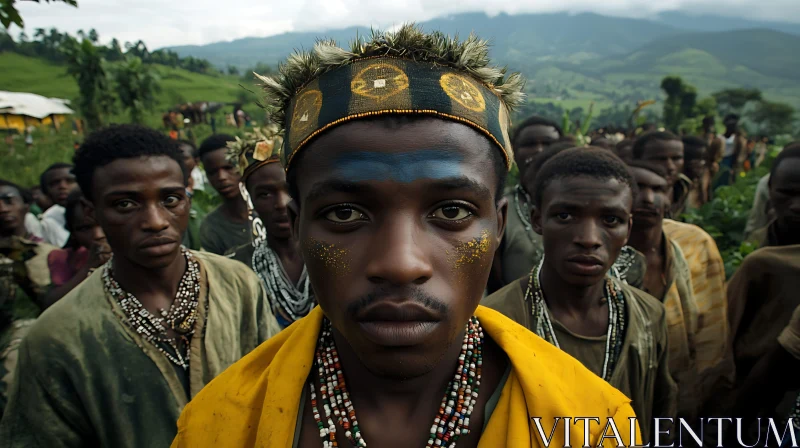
235,209
786,237
408,397
285,248
153,287
566,298
647,239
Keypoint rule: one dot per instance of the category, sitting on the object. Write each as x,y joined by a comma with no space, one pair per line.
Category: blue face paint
399,167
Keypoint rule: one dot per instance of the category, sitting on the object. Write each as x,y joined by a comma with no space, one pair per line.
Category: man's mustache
415,295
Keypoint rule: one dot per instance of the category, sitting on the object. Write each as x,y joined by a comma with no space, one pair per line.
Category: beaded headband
406,72
258,148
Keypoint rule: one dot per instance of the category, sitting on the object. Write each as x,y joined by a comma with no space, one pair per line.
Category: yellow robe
256,401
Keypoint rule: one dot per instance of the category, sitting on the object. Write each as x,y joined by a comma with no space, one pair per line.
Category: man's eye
171,200
125,204
563,216
451,213
345,215
612,220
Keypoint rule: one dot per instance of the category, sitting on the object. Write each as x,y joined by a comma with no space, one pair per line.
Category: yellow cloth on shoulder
255,402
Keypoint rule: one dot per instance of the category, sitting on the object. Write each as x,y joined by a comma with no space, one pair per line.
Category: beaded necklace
180,317
523,208
794,416
294,301
452,420
615,335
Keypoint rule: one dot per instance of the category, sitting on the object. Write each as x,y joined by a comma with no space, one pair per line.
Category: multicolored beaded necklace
452,420
180,317
615,335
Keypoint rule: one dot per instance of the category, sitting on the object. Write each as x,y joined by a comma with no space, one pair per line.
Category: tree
9,13
772,118
136,85
680,102
706,107
87,66
734,100
233,70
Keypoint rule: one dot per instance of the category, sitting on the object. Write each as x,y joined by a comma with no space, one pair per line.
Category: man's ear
536,219
502,219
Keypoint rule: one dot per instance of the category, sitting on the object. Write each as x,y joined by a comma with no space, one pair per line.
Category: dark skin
585,223
784,195
12,213
667,153
225,178
624,150
270,195
142,206
531,142
649,208
59,183
400,237
86,233
42,200
189,161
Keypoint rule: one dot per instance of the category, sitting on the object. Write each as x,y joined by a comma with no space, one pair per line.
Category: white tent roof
32,105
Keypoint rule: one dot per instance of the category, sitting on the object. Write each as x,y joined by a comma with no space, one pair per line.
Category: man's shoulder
61,325
212,216
688,236
770,258
227,269
652,307
509,300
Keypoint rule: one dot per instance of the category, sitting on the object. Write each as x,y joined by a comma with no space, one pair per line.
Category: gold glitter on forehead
332,257
472,251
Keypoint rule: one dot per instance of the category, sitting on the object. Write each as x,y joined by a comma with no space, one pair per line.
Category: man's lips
586,264
391,324
645,212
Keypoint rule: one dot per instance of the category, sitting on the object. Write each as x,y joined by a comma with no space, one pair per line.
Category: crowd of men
369,255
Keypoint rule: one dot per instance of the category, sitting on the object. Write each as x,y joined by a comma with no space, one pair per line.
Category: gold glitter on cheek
472,251
330,256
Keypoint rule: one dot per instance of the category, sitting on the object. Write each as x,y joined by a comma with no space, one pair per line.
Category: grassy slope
26,74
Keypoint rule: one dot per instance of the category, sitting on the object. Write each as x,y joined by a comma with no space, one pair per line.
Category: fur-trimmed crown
409,42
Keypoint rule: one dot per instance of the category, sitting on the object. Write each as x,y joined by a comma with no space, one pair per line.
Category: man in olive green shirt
114,362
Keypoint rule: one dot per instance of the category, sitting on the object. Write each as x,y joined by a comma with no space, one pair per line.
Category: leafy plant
725,216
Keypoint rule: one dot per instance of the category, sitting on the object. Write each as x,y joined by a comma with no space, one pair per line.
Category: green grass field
26,74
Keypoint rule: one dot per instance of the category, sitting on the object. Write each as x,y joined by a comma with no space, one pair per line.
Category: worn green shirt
642,371
85,378
219,235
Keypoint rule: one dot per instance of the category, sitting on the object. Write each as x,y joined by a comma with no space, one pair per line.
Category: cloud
159,23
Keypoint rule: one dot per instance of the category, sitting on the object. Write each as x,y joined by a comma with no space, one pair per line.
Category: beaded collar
452,419
295,301
615,335
180,318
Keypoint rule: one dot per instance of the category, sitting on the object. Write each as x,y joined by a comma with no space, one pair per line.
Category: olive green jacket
85,378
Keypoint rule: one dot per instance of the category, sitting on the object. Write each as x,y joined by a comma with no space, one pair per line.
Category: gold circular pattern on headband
306,111
379,81
463,91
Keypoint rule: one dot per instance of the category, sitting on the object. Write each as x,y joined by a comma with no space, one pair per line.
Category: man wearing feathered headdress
274,253
396,152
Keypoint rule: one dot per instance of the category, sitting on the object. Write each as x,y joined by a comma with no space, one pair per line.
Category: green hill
28,74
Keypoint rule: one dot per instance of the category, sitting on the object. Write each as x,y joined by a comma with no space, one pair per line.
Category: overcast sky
162,23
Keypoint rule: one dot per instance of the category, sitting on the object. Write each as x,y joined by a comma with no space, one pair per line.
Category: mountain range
577,59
